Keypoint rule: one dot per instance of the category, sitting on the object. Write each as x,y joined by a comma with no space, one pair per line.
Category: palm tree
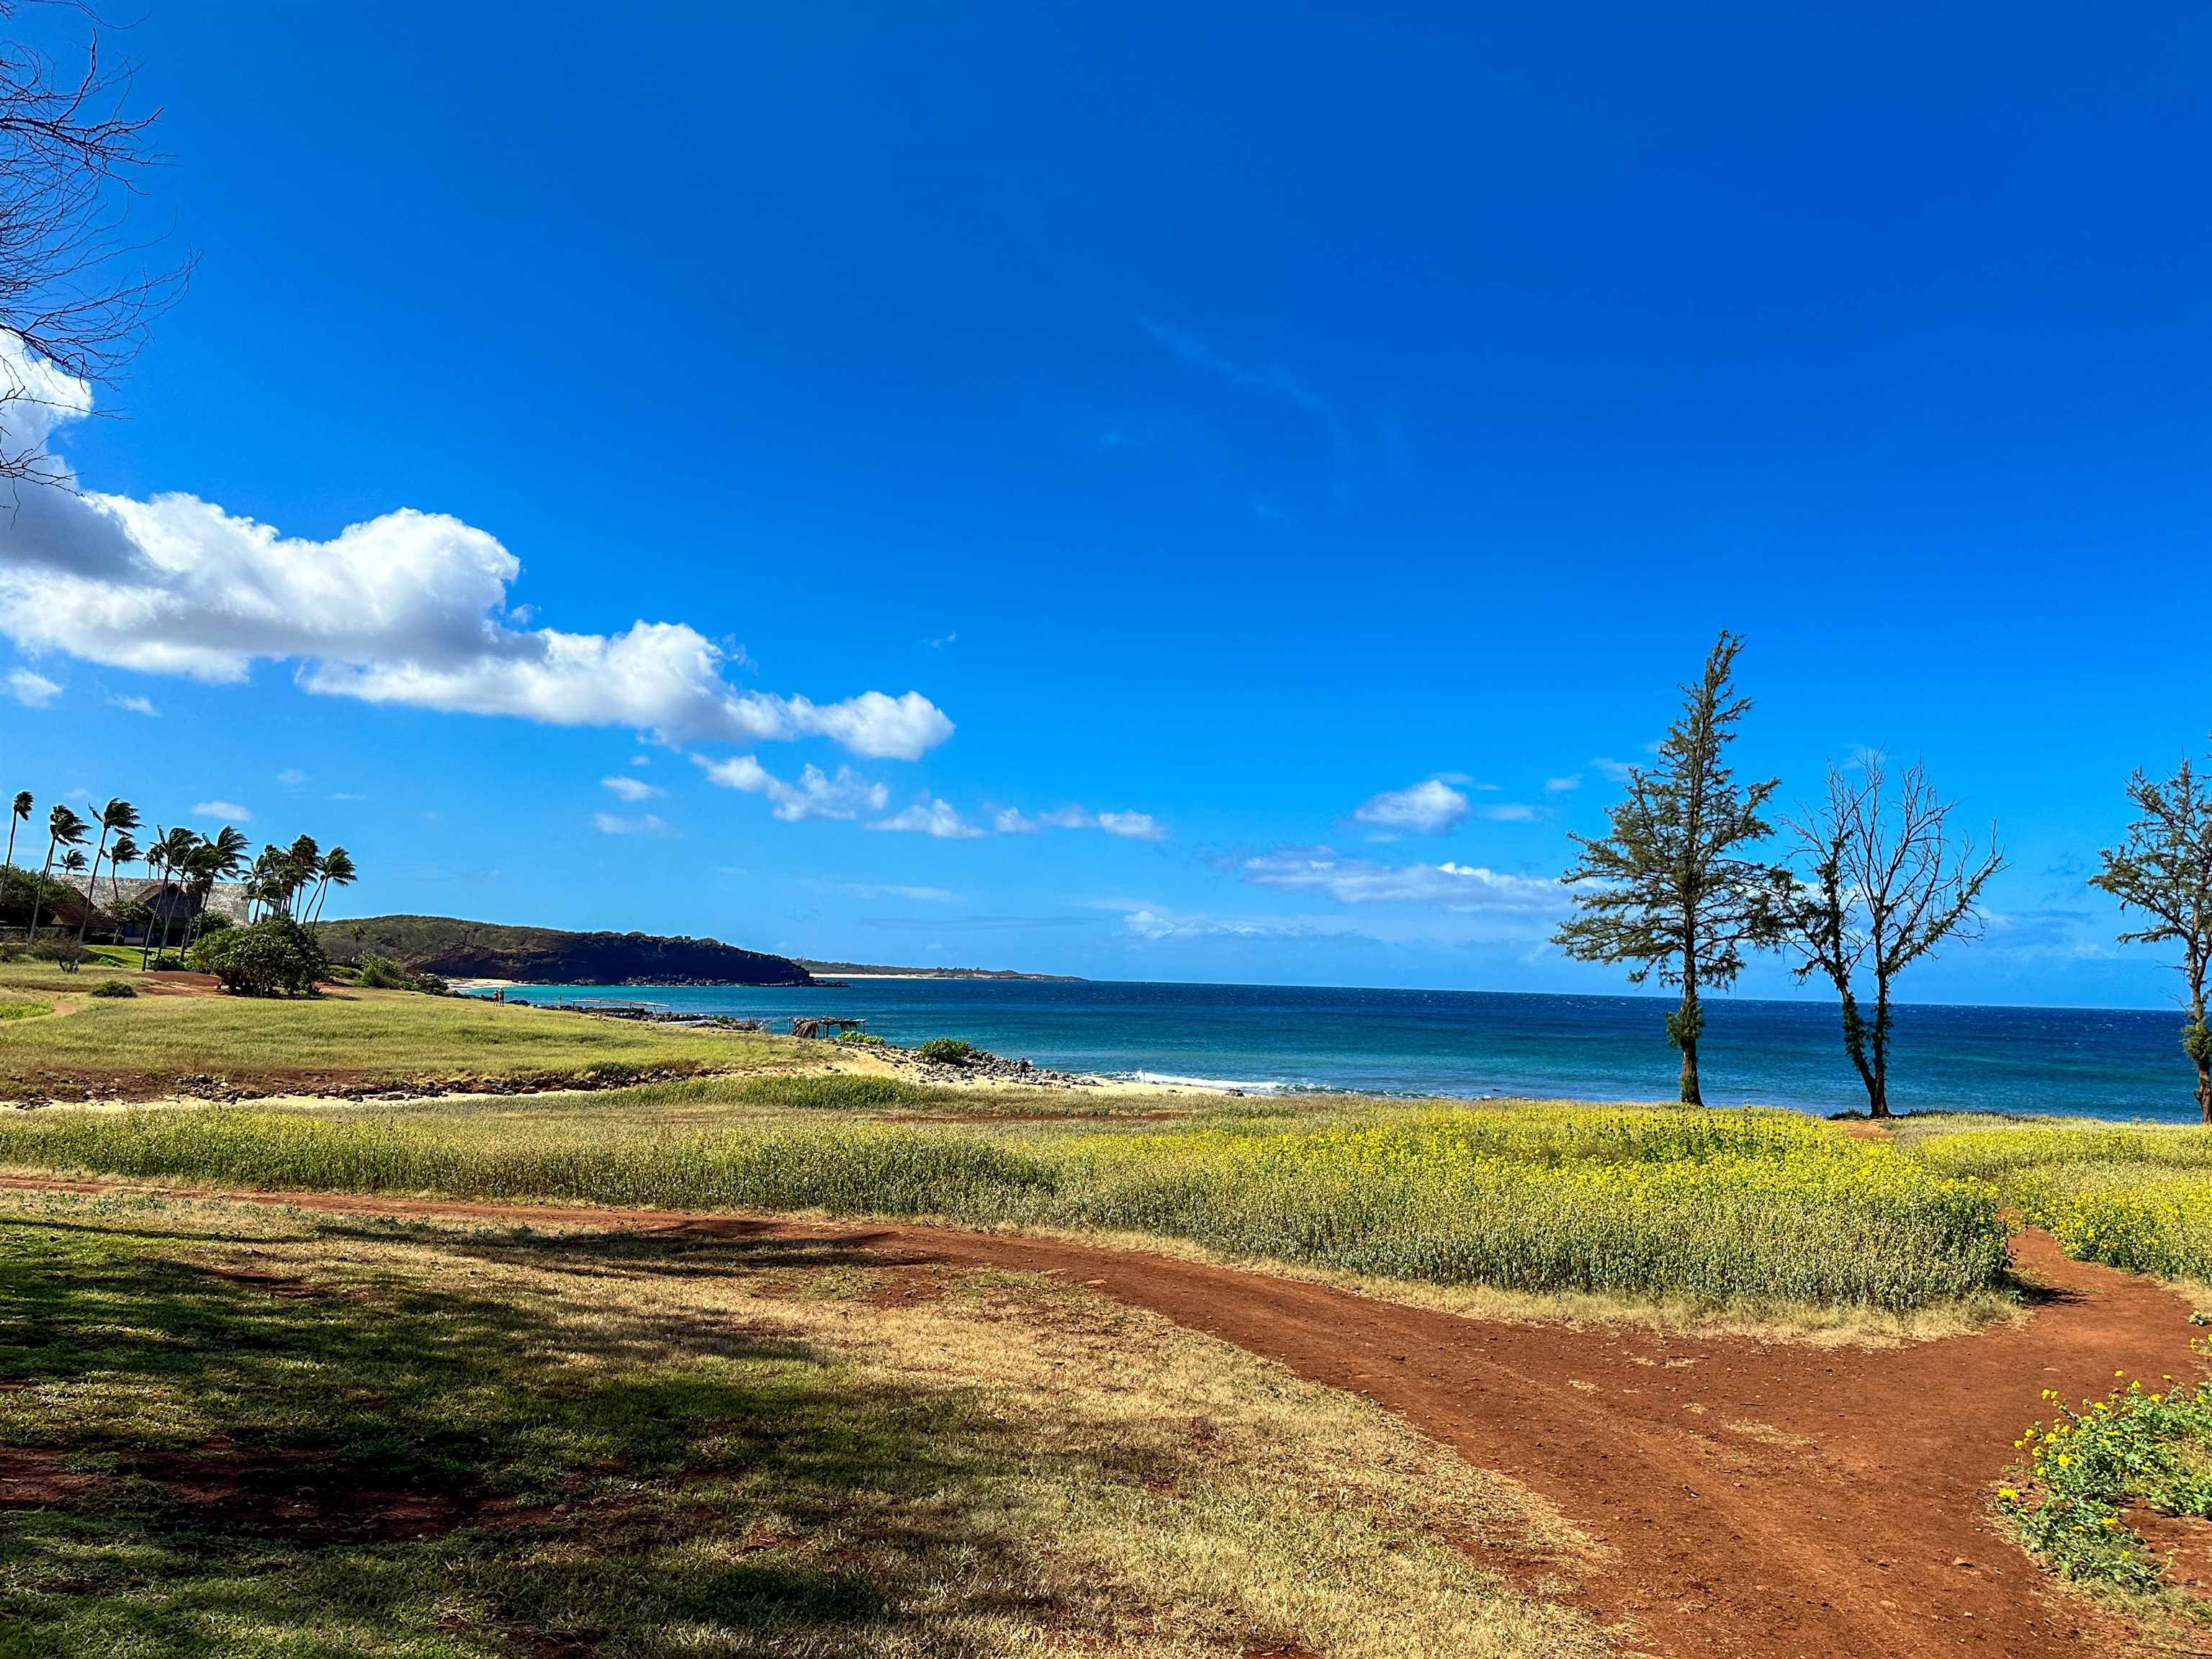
125,851
18,813
338,872
173,852
215,860
63,828
306,865
118,814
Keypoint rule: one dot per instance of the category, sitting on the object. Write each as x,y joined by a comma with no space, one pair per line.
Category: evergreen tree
1673,889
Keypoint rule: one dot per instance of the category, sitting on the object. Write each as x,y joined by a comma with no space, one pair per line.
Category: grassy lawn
241,1433
347,1039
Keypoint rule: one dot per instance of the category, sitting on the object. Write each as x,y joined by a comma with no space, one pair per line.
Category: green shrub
862,1039
269,959
948,1051
115,988
382,974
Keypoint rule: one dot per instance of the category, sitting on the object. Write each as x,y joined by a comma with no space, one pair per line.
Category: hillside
487,949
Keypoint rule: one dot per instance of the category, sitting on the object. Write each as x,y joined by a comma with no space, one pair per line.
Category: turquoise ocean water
2103,1062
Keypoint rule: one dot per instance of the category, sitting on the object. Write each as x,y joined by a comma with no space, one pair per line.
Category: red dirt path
1762,1500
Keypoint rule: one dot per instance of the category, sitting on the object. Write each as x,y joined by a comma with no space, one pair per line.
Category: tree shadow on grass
397,1464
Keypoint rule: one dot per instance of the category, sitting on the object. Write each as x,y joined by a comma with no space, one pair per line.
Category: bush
382,974
433,985
862,1039
115,988
268,959
948,1051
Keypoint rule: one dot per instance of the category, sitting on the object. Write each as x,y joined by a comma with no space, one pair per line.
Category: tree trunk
11,864
1688,1019
1878,1095
91,887
39,894
1855,1045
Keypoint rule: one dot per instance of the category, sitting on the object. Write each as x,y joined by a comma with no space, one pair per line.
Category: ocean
2115,1063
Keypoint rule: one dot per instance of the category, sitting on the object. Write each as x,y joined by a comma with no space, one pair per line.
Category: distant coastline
879,970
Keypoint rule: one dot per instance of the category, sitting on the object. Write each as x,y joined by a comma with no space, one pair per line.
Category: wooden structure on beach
810,1026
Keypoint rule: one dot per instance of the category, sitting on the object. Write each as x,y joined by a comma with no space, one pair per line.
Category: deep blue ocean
2103,1062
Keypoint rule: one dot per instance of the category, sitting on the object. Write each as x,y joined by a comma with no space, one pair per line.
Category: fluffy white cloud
31,691
610,823
1448,885
1429,808
222,809
1009,822
818,794
930,818
135,705
628,788
409,608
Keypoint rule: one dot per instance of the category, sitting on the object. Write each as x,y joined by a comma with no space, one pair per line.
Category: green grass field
350,1039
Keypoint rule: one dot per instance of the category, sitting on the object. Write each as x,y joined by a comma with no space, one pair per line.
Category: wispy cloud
291,777
1448,885
613,823
818,794
877,890
222,809
930,818
31,691
633,790
1566,785
1130,826
1613,770
1276,382
135,705
1157,924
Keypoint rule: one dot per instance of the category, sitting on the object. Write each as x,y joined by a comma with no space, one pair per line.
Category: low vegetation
2093,1479
2136,1196
1734,1209
254,1435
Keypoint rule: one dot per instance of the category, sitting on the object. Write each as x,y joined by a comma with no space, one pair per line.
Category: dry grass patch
302,1434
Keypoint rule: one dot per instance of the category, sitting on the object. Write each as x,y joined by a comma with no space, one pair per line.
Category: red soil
1759,1499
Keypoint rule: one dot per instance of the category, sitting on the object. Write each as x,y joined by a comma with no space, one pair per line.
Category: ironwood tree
2163,871
1889,878
1674,887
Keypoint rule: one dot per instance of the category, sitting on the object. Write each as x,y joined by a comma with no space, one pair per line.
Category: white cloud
1513,811
630,789
135,705
1131,826
348,795
641,760
1573,780
930,818
1448,885
1429,808
291,777
31,691
222,809
818,794
611,824
1615,771
873,889
409,608
1155,923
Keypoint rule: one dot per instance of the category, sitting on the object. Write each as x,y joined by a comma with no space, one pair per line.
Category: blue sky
1191,423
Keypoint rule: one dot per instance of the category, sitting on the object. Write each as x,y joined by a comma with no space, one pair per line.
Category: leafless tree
1890,879
76,291
2163,871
